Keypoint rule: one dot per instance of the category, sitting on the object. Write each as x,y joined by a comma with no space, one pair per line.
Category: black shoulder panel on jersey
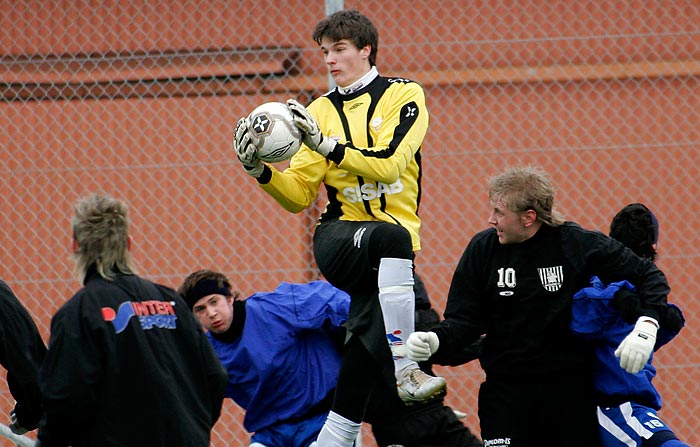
409,114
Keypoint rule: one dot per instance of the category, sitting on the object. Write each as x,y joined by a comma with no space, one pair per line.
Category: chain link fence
139,100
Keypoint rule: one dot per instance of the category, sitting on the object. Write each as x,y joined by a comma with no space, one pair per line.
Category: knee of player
390,241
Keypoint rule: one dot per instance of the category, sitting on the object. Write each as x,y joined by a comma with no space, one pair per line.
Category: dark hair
637,228
350,25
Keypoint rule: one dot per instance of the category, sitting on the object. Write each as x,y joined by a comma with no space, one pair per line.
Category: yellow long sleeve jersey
374,173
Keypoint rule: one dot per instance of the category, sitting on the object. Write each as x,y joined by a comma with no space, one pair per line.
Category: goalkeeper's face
346,63
214,312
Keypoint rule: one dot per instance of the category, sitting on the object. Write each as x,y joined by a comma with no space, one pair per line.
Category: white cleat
417,386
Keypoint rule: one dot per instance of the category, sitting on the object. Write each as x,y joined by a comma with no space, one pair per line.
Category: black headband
204,288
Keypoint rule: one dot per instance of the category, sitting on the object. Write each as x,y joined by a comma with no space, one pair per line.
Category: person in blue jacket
266,342
605,314
282,350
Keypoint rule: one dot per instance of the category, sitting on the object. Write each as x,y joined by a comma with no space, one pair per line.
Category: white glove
635,349
459,414
245,149
308,126
421,345
14,424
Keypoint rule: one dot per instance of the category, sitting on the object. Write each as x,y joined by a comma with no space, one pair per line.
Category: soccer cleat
417,386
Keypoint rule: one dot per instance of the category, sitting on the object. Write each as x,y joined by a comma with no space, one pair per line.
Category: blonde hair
526,188
101,231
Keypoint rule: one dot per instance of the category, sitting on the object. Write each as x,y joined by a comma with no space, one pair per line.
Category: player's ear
74,246
129,241
366,51
529,217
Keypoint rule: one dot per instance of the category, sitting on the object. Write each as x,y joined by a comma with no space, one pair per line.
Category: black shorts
529,413
348,253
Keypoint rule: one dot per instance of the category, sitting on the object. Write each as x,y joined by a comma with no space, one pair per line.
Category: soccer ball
273,132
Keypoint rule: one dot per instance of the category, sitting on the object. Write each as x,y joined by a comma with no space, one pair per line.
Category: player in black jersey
515,283
362,140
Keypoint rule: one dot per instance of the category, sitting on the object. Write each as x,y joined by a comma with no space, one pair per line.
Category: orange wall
170,155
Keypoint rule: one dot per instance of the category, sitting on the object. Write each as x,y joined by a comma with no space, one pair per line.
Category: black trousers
422,425
529,413
348,255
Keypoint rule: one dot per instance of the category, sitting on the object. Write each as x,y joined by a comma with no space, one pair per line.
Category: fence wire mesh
139,99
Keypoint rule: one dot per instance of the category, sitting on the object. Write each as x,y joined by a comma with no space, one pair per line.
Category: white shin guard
397,300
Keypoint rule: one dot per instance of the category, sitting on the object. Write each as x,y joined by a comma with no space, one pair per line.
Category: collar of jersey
363,81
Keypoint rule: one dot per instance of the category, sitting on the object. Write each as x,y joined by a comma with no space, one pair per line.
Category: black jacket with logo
128,364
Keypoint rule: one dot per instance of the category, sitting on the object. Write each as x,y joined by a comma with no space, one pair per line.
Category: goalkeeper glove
421,345
636,348
14,424
245,149
308,126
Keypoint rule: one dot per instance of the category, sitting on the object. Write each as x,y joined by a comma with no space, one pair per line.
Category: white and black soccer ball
273,132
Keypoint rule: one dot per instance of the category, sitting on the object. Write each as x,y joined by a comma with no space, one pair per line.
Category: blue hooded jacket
595,318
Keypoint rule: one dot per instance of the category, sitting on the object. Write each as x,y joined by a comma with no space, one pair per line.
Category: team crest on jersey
551,277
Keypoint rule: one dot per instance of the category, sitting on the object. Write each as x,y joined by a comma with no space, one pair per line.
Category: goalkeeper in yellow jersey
362,140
